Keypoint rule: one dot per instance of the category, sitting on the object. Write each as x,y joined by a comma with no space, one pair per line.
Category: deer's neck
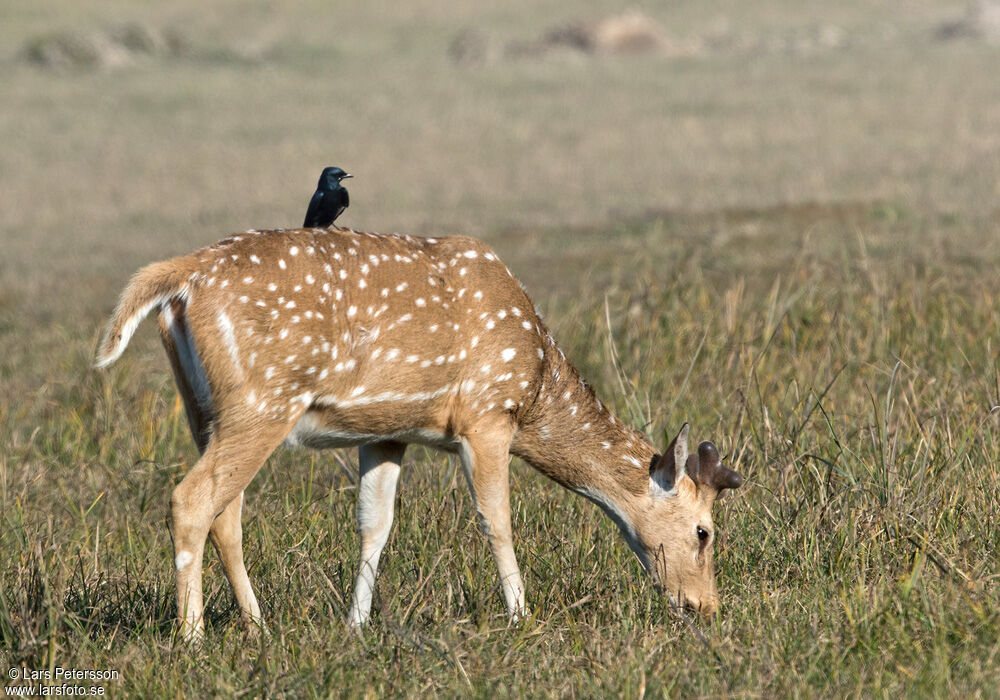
571,437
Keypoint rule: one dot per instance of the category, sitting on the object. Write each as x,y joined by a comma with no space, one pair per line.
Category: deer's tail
151,287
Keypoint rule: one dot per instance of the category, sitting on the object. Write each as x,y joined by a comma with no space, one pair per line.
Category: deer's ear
668,468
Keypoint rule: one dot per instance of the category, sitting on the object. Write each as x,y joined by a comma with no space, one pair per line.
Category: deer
329,338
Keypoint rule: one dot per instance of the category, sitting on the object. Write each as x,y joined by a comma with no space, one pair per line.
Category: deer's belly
318,430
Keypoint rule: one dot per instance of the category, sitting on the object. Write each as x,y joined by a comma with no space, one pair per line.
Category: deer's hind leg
209,499
226,534
216,483
192,384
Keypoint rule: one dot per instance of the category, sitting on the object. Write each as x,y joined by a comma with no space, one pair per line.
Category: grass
855,391
795,253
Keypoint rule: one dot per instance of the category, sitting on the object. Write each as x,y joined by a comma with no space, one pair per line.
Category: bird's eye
702,535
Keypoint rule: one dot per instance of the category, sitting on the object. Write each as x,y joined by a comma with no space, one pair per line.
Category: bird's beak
345,176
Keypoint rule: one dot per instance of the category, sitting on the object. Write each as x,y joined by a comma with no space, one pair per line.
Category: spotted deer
332,338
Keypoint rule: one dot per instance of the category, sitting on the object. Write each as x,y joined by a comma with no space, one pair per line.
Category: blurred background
133,131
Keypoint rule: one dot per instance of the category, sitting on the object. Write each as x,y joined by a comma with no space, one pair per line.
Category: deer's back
375,334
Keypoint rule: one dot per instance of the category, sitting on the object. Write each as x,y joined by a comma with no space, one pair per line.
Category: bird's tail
149,288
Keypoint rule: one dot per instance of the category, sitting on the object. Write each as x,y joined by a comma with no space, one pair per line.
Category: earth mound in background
103,48
631,32
981,21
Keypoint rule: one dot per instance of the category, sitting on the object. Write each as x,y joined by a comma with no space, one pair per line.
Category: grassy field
796,252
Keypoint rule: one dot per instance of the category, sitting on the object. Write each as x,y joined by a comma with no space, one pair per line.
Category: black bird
330,199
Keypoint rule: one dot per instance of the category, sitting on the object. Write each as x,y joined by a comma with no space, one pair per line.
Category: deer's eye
702,535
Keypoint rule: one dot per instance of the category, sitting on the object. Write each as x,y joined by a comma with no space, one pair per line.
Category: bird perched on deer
329,200
332,338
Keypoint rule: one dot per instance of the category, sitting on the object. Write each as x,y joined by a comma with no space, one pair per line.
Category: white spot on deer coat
183,559
229,338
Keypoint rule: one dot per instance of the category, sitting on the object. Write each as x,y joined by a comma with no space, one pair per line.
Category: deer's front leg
487,463
380,466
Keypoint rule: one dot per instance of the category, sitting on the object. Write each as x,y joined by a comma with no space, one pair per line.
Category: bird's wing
339,202
345,201
313,211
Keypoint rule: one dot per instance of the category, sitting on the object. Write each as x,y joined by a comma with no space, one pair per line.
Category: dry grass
853,388
844,355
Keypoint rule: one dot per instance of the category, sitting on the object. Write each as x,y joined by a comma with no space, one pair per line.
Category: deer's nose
707,608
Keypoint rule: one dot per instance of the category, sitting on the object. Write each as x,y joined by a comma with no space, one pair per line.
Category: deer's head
675,531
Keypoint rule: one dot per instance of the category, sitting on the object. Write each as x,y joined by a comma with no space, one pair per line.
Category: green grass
853,388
